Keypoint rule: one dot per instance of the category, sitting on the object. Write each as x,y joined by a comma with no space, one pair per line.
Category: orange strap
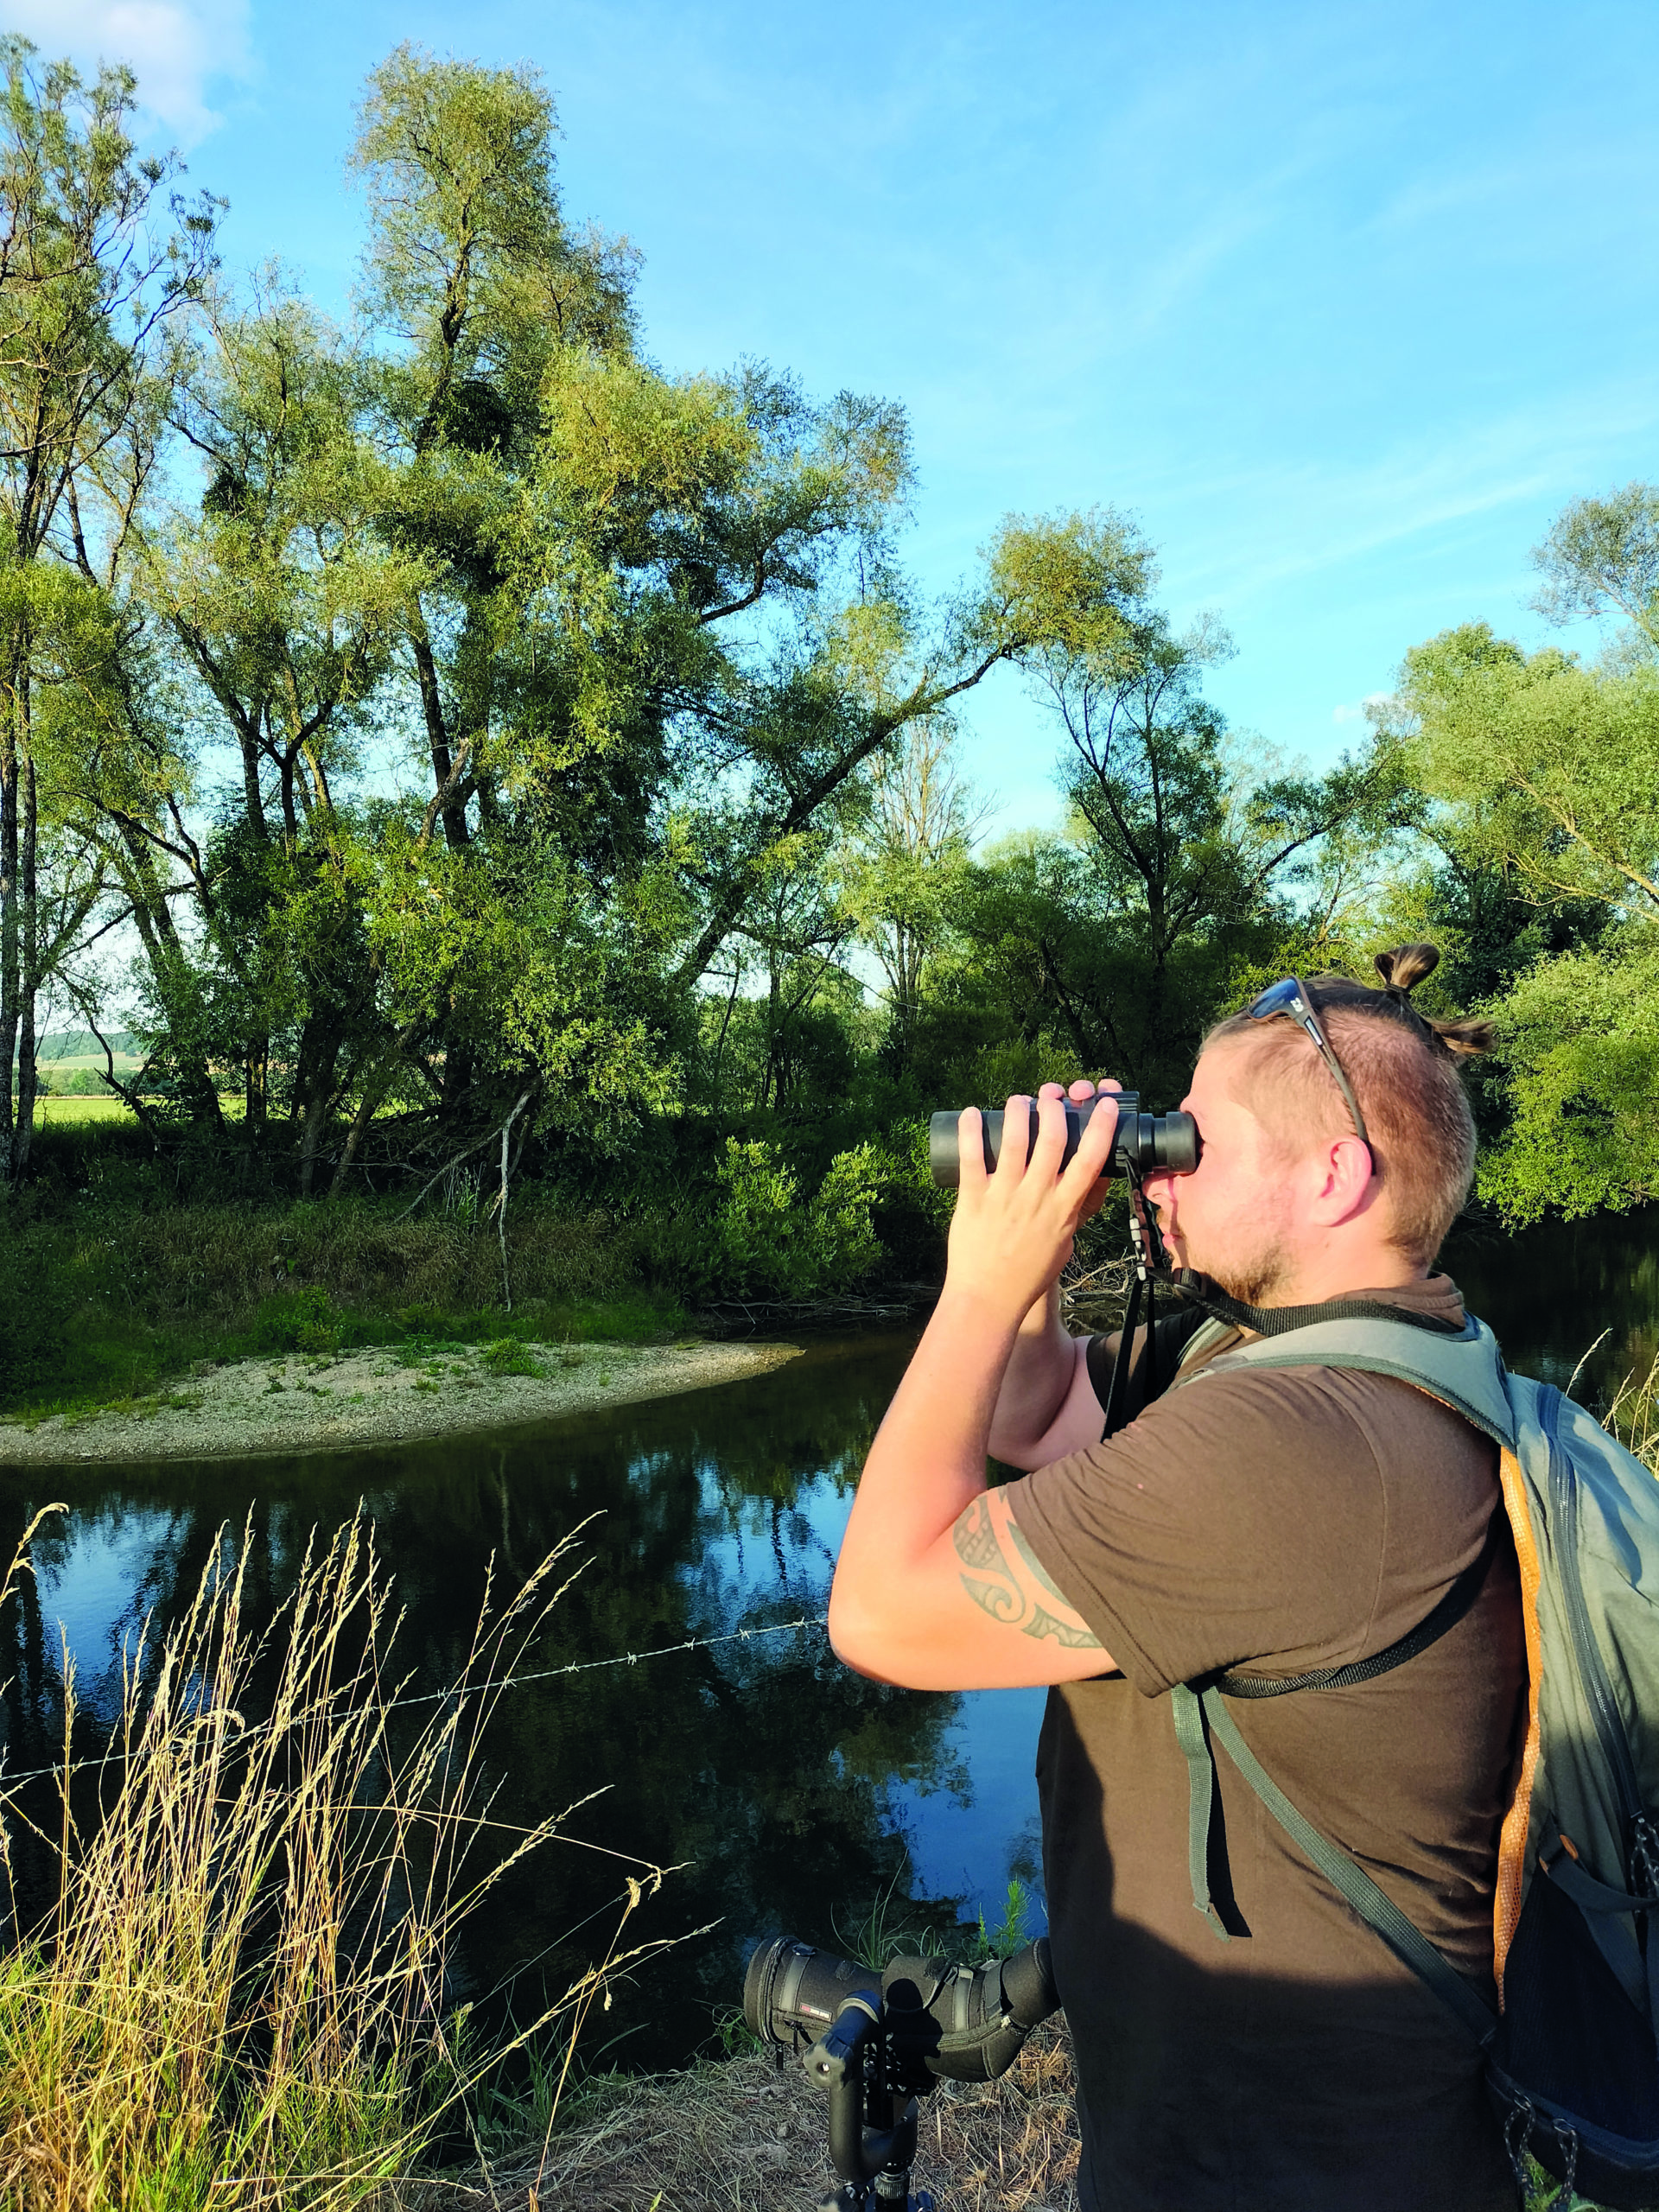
1512,1839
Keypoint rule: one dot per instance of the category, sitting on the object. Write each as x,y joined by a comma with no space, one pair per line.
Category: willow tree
96,258
490,680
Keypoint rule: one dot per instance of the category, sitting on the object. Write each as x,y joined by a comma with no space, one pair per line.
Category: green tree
1545,778
904,867
1602,553
96,261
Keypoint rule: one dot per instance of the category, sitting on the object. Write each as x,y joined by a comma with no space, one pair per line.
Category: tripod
857,2064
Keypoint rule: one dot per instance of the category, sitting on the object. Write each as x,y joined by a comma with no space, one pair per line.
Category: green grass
112,1302
51,1111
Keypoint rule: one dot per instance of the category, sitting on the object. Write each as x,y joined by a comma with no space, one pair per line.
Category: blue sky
1342,302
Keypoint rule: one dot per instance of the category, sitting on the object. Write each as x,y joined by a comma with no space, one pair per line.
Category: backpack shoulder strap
1207,1715
1465,1371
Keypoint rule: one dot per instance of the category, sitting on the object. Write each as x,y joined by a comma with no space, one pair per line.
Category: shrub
297,1320
507,1355
761,1242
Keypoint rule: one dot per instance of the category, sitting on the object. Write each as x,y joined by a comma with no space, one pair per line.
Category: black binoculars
1143,1142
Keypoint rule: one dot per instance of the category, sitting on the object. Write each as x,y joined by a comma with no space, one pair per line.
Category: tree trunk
10,946
314,1093
176,988
22,1135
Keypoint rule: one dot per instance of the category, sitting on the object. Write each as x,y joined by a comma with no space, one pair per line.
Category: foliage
511,759
761,1240
1541,786
297,1320
1581,1071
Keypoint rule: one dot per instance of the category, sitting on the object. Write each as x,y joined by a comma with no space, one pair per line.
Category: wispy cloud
182,52
1270,523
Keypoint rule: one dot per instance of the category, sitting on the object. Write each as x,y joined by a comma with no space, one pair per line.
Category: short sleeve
1239,1519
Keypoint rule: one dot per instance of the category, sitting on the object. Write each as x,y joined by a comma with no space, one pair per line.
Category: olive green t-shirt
1277,1521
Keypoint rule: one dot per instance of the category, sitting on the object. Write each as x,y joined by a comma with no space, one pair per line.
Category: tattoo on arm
1011,1596
976,1539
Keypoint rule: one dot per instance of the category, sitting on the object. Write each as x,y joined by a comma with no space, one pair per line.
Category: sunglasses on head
1289,995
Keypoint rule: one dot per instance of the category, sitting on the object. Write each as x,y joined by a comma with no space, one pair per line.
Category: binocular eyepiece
1142,1142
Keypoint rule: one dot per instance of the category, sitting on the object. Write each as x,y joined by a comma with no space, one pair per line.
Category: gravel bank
303,1403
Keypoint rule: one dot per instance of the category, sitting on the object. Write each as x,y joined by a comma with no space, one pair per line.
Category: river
788,1793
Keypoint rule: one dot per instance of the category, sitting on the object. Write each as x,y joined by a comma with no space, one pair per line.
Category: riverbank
332,1400
743,2136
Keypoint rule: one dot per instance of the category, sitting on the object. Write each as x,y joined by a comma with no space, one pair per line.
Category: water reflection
1552,1292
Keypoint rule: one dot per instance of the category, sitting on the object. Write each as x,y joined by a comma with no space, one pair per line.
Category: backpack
1571,2066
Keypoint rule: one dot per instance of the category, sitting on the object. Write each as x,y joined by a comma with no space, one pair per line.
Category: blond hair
1403,1066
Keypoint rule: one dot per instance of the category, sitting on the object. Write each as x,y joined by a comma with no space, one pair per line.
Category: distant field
100,1106
47,1109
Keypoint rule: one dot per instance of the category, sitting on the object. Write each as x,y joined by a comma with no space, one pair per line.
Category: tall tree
1602,553
1546,775
903,869
96,261
1190,849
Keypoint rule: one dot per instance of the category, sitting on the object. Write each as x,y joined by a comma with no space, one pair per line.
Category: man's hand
1012,1231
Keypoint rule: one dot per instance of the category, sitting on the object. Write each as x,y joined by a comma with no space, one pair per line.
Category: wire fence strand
10,1783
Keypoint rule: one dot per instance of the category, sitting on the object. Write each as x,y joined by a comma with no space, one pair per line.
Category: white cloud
176,48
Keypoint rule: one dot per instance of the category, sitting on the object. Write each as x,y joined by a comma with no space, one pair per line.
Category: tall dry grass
238,1995
1633,1417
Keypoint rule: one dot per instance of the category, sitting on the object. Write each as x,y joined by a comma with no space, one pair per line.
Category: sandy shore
301,1403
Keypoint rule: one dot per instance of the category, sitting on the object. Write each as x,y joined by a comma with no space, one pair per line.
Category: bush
297,1320
761,1242
507,1355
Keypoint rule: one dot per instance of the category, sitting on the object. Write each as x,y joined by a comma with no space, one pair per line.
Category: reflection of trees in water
761,1767
1550,1292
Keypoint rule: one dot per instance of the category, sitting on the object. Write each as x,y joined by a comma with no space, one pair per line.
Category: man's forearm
928,1459
1041,1371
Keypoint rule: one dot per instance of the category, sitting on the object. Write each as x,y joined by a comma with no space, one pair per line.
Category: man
1270,1521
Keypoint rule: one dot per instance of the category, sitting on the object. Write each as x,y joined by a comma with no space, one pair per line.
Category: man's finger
970,1148
1016,1124
1094,1149
1047,1153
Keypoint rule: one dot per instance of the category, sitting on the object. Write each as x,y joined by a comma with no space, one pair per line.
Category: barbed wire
8,1783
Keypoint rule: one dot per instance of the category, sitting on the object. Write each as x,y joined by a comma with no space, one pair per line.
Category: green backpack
1573,2054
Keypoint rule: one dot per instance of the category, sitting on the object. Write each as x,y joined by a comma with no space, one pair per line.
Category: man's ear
1348,1183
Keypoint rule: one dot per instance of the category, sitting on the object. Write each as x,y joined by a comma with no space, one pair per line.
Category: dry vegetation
237,1997
745,2137
1633,1417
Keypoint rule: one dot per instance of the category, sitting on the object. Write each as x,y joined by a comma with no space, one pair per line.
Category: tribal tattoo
1011,1596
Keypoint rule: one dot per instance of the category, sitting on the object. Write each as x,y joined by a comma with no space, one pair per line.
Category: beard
1253,1281
1249,1257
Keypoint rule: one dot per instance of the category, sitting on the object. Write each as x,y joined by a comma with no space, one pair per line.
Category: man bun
1406,965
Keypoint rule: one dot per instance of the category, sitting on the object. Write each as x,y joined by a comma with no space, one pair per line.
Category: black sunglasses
1289,995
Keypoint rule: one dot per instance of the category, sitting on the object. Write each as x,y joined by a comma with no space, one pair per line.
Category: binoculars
1143,1142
